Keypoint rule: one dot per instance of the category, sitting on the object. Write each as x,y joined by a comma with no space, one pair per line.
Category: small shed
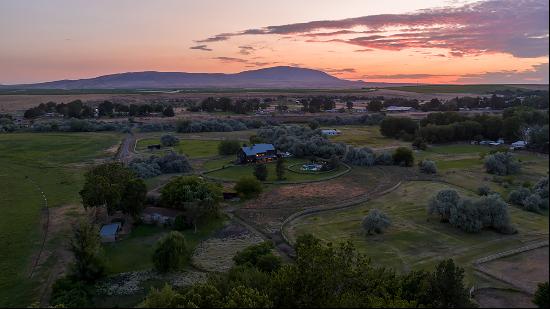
160,215
109,232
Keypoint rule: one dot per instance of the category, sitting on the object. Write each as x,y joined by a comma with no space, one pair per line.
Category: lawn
233,173
135,251
54,162
191,148
365,136
413,241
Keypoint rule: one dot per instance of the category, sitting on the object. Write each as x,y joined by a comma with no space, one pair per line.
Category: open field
414,241
365,136
474,89
234,173
30,163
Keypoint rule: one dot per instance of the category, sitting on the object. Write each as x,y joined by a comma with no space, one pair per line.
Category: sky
421,41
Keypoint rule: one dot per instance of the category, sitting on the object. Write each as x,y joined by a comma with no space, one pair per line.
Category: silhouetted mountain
275,77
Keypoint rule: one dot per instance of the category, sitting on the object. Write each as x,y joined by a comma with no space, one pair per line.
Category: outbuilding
109,232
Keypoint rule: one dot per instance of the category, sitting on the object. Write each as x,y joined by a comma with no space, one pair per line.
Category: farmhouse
109,232
330,132
257,153
159,215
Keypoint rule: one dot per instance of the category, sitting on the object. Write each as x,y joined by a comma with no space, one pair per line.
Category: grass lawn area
56,162
459,149
413,241
218,162
135,252
191,148
365,136
233,173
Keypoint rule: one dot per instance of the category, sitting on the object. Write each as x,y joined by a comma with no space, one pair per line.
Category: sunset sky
428,41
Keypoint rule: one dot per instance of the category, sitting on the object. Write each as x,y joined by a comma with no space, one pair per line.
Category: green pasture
365,136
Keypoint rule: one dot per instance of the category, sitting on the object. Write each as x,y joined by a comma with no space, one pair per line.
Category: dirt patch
216,254
523,270
496,298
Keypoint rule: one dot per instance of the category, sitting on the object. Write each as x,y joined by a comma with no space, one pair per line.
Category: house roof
110,229
257,148
166,212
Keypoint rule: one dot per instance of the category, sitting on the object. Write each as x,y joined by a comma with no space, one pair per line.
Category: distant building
518,145
109,232
330,132
399,109
257,153
160,215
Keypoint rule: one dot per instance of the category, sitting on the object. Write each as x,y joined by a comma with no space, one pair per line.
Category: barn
257,153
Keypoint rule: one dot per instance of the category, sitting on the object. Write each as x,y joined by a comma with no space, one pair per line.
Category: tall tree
85,246
280,169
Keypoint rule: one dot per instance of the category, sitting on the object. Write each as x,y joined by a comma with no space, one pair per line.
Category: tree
427,167
260,171
248,186
403,156
135,194
313,124
375,106
420,143
502,163
169,140
229,147
86,248
349,105
396,127
259,256
542,296
185,191
168,112
245,297
376,222
484,190
171,252
447,288
69,293
163,298
442,203
106,185
280,169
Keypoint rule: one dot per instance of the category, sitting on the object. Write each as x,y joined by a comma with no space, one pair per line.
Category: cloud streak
516,27
201,47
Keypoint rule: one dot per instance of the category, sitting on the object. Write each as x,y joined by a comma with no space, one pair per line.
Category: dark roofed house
257,153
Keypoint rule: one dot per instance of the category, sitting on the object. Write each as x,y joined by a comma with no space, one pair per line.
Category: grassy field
135,251
233,173
191,148
477,89
413,241
54,162
365,136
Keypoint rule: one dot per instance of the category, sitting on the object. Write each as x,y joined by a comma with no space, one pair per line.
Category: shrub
375,222
260,172
68,293
169,140
385,158
420,143
259,256
532,203
403,156
502,163
360,156
171,252
427,167
181,223
248,186
229,147
484,191
442,203
542,296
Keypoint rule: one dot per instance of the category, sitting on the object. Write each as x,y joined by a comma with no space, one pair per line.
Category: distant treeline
515,123
78,109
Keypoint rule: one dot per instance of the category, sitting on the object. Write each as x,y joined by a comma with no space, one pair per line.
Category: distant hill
275,77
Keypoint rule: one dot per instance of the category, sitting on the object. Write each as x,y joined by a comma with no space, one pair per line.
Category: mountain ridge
273,77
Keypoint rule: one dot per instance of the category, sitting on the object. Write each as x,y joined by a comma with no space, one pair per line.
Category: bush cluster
502,163
154,166
375,222
535,199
